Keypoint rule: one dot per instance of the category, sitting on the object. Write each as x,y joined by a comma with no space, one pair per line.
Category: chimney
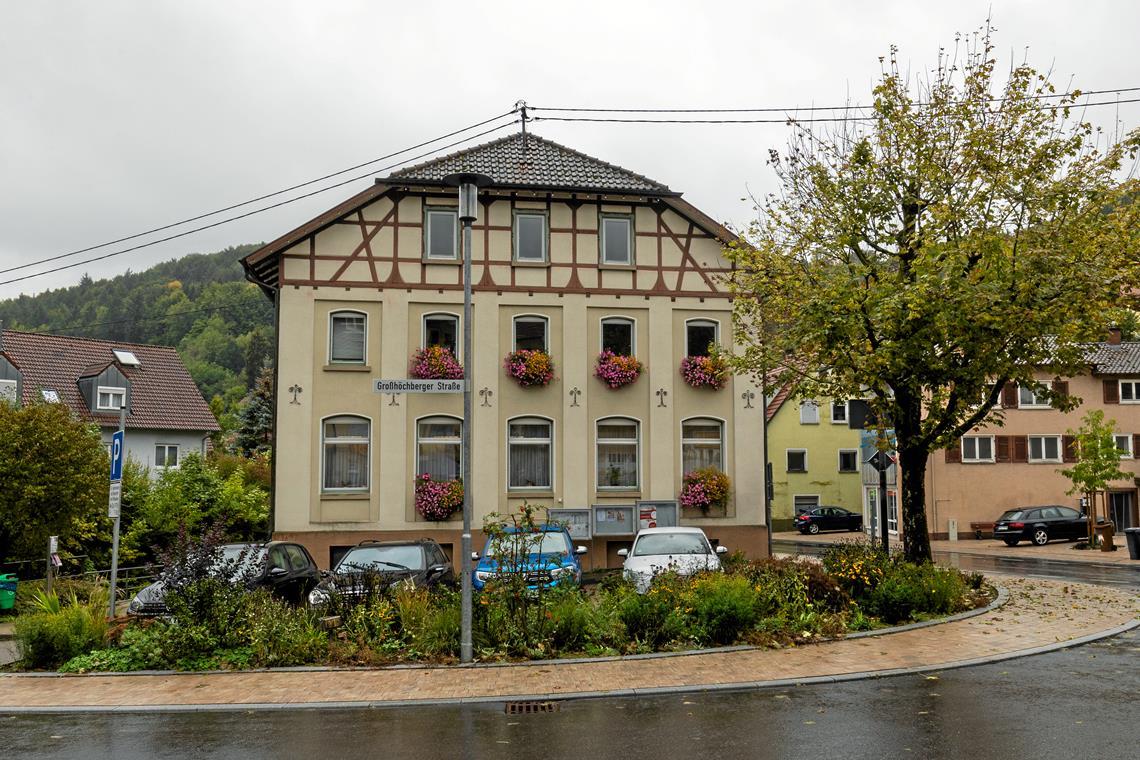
1114,336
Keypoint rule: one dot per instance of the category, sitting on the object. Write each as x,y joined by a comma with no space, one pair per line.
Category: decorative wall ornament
392,400
574,394
748,396
295,390
661,394
486,393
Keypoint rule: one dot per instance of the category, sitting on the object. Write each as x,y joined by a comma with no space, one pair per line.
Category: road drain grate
530,708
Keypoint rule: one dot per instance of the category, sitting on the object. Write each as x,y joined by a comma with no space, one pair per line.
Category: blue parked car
551,560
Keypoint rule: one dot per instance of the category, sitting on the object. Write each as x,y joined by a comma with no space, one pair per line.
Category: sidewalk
1039,615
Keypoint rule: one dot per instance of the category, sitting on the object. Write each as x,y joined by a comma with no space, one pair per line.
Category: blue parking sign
117,456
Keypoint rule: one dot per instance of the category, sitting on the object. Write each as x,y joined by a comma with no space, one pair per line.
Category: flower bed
617,370
529,367
704,489
435,363
705,372
438,499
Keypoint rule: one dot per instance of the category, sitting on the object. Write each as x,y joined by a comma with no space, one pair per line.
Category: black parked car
828,518
1041,524
286,569
420,560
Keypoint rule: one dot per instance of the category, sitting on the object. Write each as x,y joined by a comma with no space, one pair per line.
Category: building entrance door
1122,509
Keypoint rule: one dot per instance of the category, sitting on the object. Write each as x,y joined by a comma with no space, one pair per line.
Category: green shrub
722,607
280,635
139,648
49,639
651,619
441,631
908,590
577,624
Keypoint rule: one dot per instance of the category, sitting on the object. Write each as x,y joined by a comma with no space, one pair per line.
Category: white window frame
787,464
722,443
451,211
12,396
458,330
598,441
614,319
458,442
1134,389
364,352
839,460
519,214
975,458
1043,458
701,322
1128,453
630,237
805,420
843,405
525,418
531,318
1034,403
111,390
166,456
368,440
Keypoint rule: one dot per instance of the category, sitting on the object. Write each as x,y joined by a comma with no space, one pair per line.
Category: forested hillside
221,324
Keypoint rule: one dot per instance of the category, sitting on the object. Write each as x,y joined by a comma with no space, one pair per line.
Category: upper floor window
346,442
438,447
1044,448
530,237
848,460
616,240
978,448
441,233
797,460
530,460
839,412
617,444
1027,398
1130,391
700,335
618,336
109,398
347,331
702,444
530,333
1124,444
166,455
441,330
809,413
8,391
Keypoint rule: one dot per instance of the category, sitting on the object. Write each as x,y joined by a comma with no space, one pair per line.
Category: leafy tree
957,236
54,472
1098,460
255,434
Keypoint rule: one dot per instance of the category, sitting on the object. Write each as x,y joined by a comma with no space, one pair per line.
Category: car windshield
1012,514
670,543
547,542
239,559
398,557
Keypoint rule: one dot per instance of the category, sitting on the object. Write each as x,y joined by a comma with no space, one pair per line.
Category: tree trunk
912,487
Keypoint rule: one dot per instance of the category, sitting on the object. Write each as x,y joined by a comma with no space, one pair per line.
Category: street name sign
411,385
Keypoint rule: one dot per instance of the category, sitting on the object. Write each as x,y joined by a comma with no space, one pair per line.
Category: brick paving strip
1038,615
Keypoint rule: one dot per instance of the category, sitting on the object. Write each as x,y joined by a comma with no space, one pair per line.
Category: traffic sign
115,499
417,386
117,456
881,461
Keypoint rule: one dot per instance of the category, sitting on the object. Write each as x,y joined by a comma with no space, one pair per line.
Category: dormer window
109,399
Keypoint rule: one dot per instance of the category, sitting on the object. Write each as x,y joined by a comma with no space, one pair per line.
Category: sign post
114,501
882,461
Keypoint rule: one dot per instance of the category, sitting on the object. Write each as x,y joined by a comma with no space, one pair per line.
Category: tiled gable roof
541,163
1115,359
163,395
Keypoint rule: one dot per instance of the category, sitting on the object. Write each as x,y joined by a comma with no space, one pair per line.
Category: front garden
217,624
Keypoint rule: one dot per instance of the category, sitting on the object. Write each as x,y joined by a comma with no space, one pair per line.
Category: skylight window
50,395
126,358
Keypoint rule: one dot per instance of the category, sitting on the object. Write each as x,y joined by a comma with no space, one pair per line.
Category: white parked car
656,550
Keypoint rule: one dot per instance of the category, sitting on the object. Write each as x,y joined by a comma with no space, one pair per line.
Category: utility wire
227,220
255,200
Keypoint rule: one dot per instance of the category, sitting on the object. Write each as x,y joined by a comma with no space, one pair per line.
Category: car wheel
1010,541
1040,536
813,529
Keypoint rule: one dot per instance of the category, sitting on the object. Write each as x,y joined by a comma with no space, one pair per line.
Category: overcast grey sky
116,117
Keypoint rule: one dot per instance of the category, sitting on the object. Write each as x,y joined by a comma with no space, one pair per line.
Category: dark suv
1040,524
420,561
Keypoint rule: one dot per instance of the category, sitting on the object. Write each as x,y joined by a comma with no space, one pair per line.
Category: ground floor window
438,447
346,444
529,453
701,444
617,453
165,455
804,503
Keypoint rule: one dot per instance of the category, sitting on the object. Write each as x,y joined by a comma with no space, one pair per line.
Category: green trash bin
8,591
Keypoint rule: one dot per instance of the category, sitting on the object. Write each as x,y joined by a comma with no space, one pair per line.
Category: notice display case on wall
657,514
577,521
613,520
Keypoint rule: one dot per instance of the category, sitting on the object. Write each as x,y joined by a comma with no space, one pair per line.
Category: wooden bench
982,529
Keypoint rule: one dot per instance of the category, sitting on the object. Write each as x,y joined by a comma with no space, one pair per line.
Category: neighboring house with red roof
167,417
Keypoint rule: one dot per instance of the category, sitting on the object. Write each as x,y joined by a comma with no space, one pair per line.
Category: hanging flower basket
529,367
438,499
705,489
705,371
435,363
616,370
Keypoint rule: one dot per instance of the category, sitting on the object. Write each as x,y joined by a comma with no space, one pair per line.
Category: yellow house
572,257
815,457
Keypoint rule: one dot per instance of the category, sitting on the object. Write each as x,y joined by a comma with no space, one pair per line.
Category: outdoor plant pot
704,372
617,370
529,367
435,363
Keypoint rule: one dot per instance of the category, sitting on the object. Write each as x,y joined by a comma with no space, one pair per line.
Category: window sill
347,368
977,461
539,264
797,472
522,493
619,267
617,493
345,496
456,261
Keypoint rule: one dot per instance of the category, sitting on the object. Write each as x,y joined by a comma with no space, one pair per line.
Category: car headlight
319,597
484,575
135,605
560,572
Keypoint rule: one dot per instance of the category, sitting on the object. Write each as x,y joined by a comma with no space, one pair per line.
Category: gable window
108,398
838,412
441,330
617,445
346,442
797,460
1044,448
438,447
1027,398
441,234
848,460
809,413
165,456
1124,444
347,330
8,391
978,448
530,237
617,336
700,334
616,240
529,453
1130,391
702,442
530,333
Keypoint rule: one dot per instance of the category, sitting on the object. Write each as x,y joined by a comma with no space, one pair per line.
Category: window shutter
1111,392
1069,448
1009,396
1136,445
954,453
1001,448
1060,389
1020,448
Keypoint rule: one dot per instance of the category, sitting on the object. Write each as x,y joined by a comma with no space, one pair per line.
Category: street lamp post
468,184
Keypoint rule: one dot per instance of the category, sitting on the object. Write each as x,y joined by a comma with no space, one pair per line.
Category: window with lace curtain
347,331
438,447
702,441
345,443
617,444
529,453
